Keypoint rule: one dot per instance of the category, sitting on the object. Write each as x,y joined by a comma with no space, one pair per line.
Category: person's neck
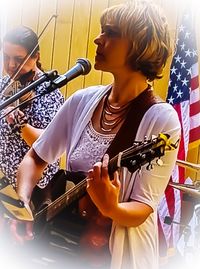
125,89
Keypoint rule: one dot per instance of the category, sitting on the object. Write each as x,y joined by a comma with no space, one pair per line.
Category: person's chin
97,66
10,73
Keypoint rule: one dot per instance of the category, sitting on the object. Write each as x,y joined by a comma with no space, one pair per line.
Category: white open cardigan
131,247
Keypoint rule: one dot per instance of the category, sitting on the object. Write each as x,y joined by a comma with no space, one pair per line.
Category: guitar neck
64,200
133,158
69,196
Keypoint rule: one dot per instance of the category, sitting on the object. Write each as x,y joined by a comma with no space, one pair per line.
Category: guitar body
43,197
94,241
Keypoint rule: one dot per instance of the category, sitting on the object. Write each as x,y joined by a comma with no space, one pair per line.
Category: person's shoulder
162,113
162,107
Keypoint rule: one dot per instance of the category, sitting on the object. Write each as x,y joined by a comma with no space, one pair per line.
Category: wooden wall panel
47,9
14,14
71,36
79,40
63,34
30,18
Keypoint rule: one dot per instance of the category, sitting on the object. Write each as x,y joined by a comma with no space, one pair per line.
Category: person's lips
99,55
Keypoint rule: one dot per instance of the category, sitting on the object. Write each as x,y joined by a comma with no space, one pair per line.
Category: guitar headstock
141,153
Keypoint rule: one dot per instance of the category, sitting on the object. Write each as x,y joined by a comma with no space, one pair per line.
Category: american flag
184,96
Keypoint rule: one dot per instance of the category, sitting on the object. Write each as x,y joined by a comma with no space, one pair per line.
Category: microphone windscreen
86,65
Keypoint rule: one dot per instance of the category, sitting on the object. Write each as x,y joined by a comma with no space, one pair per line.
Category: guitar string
125,156
62,198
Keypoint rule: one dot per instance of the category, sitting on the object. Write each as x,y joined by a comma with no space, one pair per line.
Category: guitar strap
126,134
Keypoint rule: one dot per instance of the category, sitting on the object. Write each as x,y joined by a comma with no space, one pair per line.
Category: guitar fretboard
64,200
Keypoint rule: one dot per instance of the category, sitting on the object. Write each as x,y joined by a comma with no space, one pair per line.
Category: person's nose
99,40
12,64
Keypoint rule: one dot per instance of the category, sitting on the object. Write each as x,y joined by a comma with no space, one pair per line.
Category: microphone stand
186,250
197,231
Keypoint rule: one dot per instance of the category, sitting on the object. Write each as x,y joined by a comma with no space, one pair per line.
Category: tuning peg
133,162
145,138
159,162
149,166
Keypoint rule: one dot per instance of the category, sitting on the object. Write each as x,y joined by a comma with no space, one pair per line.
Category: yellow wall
70,36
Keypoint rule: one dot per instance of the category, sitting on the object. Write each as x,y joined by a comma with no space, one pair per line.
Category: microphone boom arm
54,81
191,166
48,76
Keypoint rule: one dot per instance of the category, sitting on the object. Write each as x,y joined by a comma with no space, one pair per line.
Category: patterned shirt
90,149
39,113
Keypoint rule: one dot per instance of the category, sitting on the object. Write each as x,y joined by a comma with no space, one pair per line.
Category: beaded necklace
111,115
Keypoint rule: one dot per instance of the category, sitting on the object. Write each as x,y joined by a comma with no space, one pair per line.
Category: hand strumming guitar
21,231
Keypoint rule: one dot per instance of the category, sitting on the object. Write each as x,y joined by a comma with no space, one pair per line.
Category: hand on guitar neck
109,189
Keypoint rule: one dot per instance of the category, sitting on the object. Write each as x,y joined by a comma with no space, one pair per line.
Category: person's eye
19,60
110,32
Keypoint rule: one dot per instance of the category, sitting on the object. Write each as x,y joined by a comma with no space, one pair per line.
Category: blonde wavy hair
144,24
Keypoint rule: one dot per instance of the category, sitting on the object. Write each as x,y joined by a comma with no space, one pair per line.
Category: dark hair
24,37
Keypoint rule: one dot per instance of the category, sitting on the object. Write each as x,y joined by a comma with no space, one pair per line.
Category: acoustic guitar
141,153
98,229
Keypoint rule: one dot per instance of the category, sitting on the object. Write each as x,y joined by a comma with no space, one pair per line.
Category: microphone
82,67
54,81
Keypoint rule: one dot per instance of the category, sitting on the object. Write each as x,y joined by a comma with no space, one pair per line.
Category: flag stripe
195,109
194,96
194,121
195,70
194,83
194,134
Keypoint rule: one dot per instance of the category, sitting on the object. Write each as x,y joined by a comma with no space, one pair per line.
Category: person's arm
27,132
28,174
30,134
